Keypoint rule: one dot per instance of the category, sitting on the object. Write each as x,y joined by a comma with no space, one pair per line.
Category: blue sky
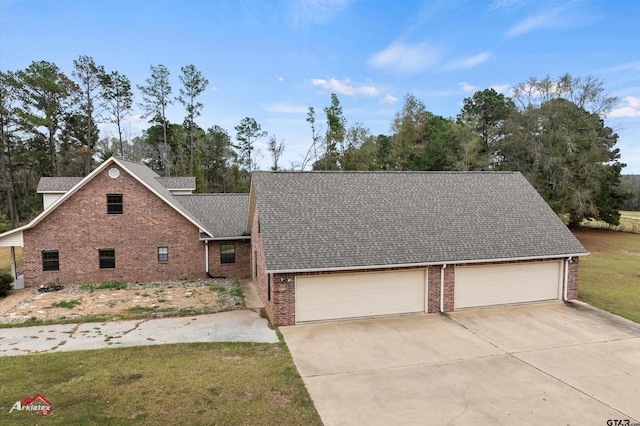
271,60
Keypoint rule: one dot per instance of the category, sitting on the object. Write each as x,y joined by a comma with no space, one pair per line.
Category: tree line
551,130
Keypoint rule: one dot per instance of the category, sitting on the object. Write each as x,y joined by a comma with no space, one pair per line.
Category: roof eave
418,265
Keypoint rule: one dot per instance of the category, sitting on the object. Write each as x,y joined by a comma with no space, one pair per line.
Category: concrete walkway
234,326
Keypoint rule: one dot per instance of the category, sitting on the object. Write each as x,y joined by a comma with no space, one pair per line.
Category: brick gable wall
80,226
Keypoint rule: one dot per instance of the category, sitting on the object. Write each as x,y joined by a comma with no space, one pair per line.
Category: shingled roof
225,215
57,184
341,220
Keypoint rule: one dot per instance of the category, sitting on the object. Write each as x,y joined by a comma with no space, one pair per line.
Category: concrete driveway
232,326
537,364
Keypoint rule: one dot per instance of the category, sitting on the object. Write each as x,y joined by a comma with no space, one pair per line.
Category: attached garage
336,296
501,284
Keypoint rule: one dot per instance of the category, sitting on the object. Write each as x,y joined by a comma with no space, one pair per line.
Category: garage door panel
505,284
326,297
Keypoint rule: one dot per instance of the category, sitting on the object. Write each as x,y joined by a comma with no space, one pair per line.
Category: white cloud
345,87
215,89
466,87
406,59
469,62
548,19
287,108
389,99
631,109
280,78
316,11
502,88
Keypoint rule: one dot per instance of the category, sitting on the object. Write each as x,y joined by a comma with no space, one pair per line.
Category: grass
629,222
5,257
188,384
610,277
234,290
69,304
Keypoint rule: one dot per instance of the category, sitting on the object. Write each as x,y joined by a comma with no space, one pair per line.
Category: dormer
53,188
178,185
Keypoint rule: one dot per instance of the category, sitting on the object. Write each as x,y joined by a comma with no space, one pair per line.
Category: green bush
6,281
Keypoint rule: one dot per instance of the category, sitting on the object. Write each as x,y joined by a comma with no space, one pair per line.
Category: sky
272,60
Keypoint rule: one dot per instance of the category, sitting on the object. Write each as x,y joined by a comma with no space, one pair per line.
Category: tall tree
485,113
276,150
565,151
334,137
156,96
247,133
194,84
118,101
405,128
43,91
216,157
88,77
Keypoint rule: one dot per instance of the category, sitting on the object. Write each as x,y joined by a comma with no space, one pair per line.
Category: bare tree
276,151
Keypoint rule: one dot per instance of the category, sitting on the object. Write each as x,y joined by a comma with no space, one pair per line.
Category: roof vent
114,173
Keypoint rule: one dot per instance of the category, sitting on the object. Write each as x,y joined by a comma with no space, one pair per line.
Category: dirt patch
136,301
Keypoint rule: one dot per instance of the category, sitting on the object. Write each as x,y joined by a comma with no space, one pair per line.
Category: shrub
6,281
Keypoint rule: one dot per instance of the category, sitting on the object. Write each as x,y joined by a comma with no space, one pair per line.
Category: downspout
566,278
442,287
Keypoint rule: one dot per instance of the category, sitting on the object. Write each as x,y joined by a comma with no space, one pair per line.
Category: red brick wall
572,287
80,226
434,281
240,269
258,271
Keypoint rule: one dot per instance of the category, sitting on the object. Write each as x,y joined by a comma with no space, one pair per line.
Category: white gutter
442,287
418,265
206,256
566,278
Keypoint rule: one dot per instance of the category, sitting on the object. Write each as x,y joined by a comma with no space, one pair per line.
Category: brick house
334,245
318,245
125,222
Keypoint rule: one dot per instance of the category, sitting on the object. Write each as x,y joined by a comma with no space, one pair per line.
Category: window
227,253
114,203
269,287
50,260
163,254
107,258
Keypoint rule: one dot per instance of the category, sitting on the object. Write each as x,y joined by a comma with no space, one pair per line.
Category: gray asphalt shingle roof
225,215
327,220
178,182
57,184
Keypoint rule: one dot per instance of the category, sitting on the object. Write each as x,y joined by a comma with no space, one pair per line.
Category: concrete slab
609,371
544,325
350,346
250,292
536,364
495,390
233,326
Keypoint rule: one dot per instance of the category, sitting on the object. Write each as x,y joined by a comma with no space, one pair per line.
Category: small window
107,258
269,287
50,260
163,254
114,203
228,253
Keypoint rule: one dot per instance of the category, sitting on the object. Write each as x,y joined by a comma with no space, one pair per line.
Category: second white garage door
327,297
507,283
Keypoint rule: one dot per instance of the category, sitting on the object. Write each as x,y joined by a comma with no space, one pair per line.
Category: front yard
185,384
113,300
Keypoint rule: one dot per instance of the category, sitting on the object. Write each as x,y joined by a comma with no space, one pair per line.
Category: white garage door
326,297
503,284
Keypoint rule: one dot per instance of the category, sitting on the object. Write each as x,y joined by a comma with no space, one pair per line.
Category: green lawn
185,384
5,257
610,277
